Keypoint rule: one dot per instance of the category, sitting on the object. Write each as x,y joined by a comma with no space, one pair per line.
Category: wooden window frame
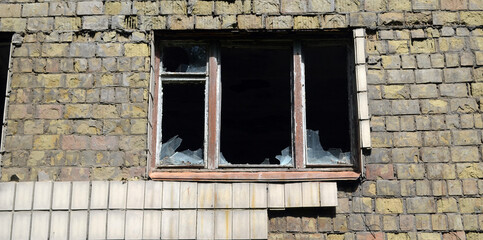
253,173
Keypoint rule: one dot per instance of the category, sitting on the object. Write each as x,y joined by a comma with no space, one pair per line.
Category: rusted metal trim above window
300,176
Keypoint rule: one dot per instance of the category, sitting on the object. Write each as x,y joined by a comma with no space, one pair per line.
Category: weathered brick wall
78,104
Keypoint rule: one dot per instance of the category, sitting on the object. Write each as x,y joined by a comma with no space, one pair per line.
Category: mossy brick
95,23
232,7
434,106
363,19
379,171
180,22
465,154
152,22
469,170
453,90
362,205
35,9
203,8
463,105
109,49
466,137
46,142
118,8
445,18
62,8
470,187
207,22
90,8
279,22
418,18
399,5
404,107
395,91
420,205
10,10
334,21
400,76
441,171
471,205
67,23
102,111
108,143
410,171
399,47
55,49
40,24
423,46
435,154
306,22
173,7
344,6
13,24
389,205
249,22
77,111
388,188
471,18
424,91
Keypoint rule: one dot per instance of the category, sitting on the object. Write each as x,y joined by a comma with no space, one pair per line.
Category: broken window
252,102
5,39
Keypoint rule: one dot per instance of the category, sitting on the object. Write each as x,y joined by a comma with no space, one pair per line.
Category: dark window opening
183,116
184,59
5,39
256,110
327,101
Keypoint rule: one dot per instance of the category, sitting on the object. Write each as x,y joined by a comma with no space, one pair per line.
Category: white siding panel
187,224
276,196
153,195
310,194
23,196
78,225
134,224
80,195
59,225
241,195
188,195
152,224
241,223
40,225
223,224
171,195
205,224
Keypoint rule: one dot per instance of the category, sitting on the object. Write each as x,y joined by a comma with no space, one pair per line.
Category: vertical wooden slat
153,195
171,195
223,195
310,194
293,195
188,195
299,138
205,224
276,196
214,106
187,224
169,224
241,223
206,198
328,194
258,224
223,224
152,224
258,195
241,195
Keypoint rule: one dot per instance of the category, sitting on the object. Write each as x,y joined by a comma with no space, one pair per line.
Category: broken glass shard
286,157
223,160
317,155
169,155
184,59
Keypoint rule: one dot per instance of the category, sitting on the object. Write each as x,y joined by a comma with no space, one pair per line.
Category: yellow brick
136,50
388,206
304,22
45,142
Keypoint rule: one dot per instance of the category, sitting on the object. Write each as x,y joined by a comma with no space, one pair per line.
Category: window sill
218,176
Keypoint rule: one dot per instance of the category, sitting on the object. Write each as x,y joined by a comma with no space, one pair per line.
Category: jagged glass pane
184,59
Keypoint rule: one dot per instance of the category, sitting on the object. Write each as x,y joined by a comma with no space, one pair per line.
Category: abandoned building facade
242,119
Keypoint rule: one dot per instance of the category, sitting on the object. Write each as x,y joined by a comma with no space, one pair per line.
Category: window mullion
214,107
298,78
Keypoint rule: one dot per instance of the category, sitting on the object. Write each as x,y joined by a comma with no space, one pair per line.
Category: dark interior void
184,59
326,91
184,114
256,110
5,39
